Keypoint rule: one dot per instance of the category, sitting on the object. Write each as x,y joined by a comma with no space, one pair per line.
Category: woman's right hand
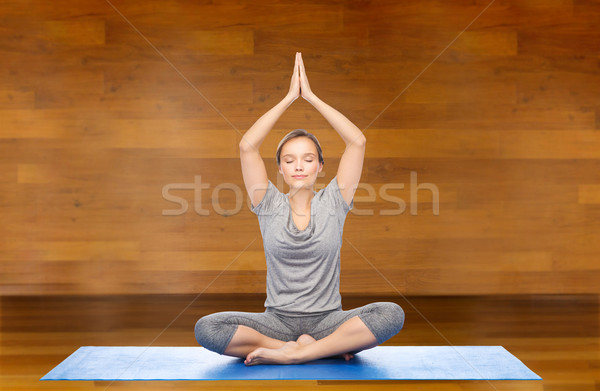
294,92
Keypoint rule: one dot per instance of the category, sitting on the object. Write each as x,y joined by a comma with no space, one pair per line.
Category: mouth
299,176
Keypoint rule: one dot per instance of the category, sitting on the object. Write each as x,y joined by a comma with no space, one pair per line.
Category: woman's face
299,162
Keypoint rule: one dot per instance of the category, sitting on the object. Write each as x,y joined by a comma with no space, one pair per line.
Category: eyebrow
308,153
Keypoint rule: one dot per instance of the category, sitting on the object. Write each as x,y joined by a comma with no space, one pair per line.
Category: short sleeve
269,202
337,198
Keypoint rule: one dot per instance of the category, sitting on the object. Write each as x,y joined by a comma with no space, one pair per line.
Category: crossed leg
336,334
306,339
247,340
352,335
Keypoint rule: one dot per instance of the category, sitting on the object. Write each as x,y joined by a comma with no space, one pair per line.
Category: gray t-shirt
303,267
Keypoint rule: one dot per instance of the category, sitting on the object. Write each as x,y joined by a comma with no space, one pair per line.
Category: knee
394,314
203,325
206,330
384,319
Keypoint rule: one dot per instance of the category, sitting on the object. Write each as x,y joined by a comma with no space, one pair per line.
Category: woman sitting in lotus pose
302,236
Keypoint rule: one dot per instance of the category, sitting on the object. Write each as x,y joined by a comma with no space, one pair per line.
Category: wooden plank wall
482,173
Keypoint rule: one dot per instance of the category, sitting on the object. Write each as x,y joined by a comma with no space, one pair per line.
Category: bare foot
346,356
305,339
287,354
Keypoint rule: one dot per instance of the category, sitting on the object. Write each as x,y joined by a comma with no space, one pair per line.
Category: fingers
301,65
302,69
294,91
305,90
295,65
301,61
297,69
296,73
299,84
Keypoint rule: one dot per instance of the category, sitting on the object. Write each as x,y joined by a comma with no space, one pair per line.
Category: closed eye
291,161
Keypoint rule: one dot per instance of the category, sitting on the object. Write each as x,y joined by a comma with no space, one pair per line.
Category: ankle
300,354
293,352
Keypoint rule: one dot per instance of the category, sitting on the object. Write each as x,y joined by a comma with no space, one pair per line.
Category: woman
302,236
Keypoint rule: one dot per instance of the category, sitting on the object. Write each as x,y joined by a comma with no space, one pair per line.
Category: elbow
360,141
245,145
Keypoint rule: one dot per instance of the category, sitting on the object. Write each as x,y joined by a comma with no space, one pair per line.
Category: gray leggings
215,331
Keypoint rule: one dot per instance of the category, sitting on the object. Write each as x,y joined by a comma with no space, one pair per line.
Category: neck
300,198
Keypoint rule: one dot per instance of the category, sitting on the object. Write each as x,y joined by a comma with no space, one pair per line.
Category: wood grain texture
120,123
555,336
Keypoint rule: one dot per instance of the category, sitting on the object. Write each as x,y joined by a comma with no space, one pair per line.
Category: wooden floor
555,336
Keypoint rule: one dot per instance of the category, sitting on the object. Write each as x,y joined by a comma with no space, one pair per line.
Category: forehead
299,145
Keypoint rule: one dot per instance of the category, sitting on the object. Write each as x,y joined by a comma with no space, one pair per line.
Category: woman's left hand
294,91
305,90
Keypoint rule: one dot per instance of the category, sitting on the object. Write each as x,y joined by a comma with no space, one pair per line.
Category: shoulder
332,194
272,200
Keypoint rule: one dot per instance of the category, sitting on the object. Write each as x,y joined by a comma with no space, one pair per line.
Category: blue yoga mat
379,363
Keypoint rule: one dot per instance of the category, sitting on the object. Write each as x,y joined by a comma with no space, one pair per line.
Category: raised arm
350,168
253,167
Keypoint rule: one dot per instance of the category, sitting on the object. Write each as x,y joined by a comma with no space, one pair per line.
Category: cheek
313,168
287,168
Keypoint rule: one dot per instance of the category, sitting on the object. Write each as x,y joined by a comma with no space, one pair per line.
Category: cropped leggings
215,331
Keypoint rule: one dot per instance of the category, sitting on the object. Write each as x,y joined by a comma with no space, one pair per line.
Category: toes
252,361
251,358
